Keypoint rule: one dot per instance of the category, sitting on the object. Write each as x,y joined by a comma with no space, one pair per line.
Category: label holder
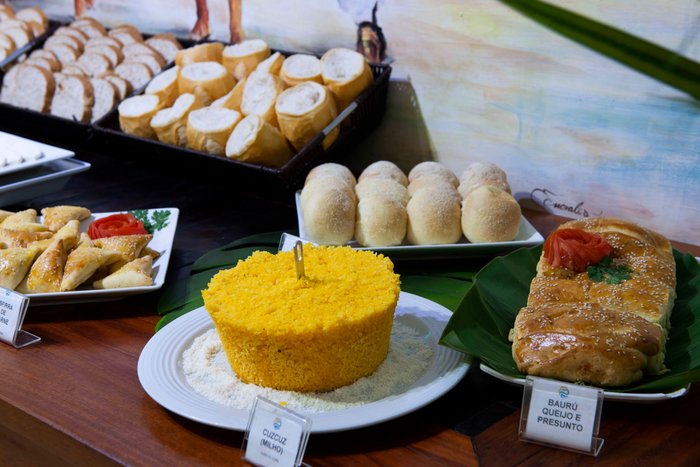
13,309
538,387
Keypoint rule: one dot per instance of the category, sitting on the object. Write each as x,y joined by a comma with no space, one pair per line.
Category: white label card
275,435
562,414
13,308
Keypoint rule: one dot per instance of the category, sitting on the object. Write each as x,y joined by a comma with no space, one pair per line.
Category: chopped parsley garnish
605,271
157,221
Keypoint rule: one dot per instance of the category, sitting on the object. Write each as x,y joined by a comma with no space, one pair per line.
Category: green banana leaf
480,325
648,58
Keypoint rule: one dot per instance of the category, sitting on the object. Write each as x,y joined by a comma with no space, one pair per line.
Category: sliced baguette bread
166,44
126,35
28,86
232,100
256,141
94,64
206,80
113,54
135,114
103,40
65,39
7,43
137,74
208,129
33,14
76,34
346,73
154,62
19,36
242,58
122,85
106,97
63,52
170,125
165,86
299,68
73,97
207,52
272,64
51,65
303,111
259,96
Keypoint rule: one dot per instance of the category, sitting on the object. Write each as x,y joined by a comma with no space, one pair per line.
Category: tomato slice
114,225
575,249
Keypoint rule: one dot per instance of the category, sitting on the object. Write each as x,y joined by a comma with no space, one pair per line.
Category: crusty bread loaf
272,64
233,99
489,214
105,97
433,168
328,211
170,124
207,52
256,141
94,63
299,68
135,114
166,45
384,170
346,74
380,221
137,74
209,128
433,217
482,173
206,80
260,94
382,187
303,111
242,58
165,86
73,97
29,87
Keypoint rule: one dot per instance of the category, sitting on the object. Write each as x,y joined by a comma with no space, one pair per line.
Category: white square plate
27,153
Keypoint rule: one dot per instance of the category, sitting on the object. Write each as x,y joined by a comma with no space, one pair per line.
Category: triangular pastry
69,233
57,216
47,271
27,227
4,215
150,252
14,264
85,241
129,246
28,215
137,273
83,262
17,238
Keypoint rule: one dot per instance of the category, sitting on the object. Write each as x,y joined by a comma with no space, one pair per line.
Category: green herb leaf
605,271
159,219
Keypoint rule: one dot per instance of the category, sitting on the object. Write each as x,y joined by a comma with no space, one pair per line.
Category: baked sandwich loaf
599,307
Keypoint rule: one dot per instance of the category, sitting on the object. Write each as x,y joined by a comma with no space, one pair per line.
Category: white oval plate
160,373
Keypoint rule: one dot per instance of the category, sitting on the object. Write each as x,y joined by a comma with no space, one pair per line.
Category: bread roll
383,188
207,52
380,221
206,80
135,114
208,129
489,214
303,111
299,68
105,97
73,97
482,173
29,87
334,171
433,218
384,170
165,86
434,181
166,44
260,94
328,212
170,124
435,169
233,99
256,141
346,73
242,58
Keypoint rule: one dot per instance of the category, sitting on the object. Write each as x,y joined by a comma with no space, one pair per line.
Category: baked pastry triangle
28,227
4,215
129,246
150,252
47,271
69,233
83,262
28,215
18,238
84,241
136,273
14,265
57,216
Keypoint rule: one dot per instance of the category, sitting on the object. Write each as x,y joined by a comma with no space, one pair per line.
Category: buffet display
19,30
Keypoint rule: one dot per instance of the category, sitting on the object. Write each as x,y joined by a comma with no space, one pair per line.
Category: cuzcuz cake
316,333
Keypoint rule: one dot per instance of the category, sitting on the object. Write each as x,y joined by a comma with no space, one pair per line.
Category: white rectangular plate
39,180
28,153
527,236
162,242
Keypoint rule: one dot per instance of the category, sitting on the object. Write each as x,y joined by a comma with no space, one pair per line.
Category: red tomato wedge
114,225
575,249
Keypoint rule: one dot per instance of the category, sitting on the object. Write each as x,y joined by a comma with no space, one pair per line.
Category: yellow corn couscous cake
316,333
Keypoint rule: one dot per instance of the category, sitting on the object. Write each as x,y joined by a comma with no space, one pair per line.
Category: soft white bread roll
105,96
432,168
206,80
383,188
346,73
433,181
384,170
489,214
233,99
122,85
170,124
299,68
135,114
33,14
208,129
28,86
76,34
113,54
328,211
137,74
166,44
433,218
94,64
260,94
73,97
242,58
303,111
337,172
165,86
207,52
482,173
380,222
272,64
256,141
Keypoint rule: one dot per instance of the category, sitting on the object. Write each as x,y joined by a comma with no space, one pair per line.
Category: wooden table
75,398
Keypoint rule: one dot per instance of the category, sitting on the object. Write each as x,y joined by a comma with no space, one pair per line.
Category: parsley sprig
157,221
607,272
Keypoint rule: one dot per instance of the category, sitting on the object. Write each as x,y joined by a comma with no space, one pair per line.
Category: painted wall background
576,132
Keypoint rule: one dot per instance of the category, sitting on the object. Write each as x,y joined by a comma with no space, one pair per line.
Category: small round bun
482,173
383,188
433,217
328,212
435,181
432,168
489,214
333,170
380,222
384,170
